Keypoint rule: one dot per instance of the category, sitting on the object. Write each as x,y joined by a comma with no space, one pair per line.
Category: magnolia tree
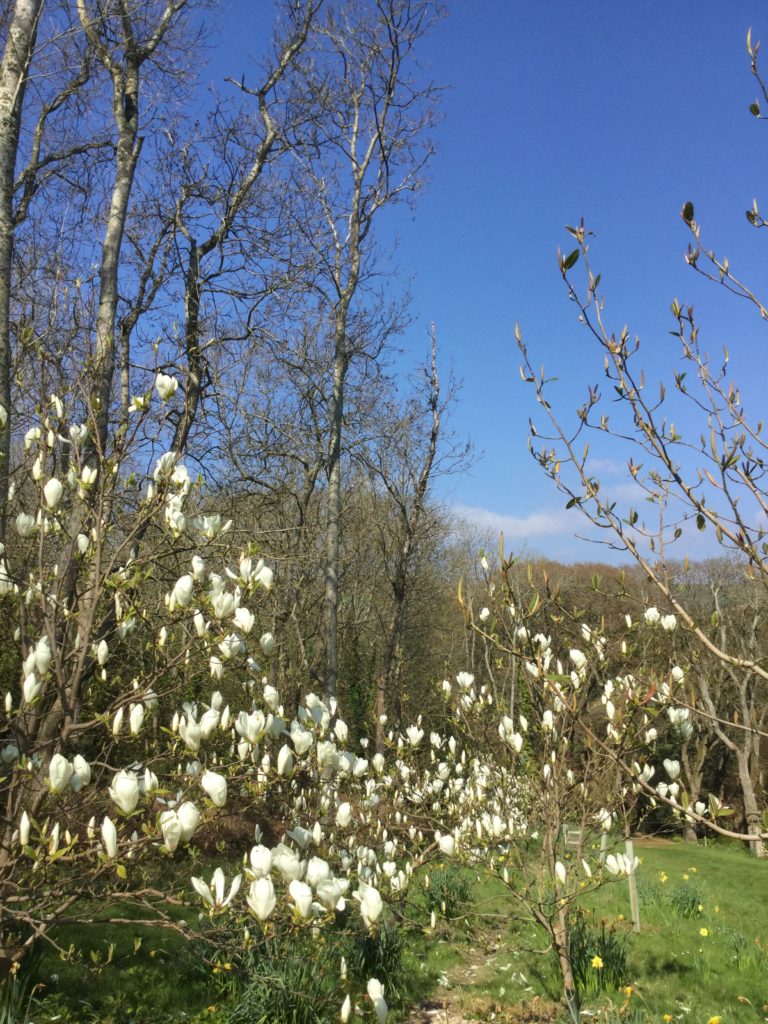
696,456
137,714
579,754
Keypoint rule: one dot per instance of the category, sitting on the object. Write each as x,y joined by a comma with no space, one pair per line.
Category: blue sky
616,112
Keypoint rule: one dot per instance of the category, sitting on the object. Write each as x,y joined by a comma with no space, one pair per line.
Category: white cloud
606,467
630,491
537,524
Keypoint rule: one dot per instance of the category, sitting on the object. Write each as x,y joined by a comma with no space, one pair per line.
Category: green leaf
701,522
754,109
571,259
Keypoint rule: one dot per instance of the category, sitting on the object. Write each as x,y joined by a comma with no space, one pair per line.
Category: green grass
489,962
122,974
722,973
673,968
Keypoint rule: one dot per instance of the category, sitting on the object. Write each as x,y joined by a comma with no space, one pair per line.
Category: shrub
378,955
598,956
686,900
289,987
449,891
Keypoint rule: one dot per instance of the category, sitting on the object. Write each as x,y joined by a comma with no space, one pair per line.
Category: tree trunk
13,78
333,527
388,657
128,149
562,948
751,809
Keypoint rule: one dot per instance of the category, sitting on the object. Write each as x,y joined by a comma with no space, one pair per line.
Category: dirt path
452,1002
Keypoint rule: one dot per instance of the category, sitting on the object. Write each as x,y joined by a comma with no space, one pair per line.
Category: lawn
700,954
702,951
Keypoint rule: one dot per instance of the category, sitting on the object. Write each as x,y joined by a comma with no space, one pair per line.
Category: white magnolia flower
330,892
250,727
672,768
59,773
376,995
318,870
24,829
215,786
81,773
285,760
166,386
301,894
52,492
43,655
343,815
371,904
346,1009
31,688
261,861
182,593
214,894
244,620
125,790
171,828
446,843
263,575
189,816
287,862
223,604
261,897
109,838
578,658
25,524
136,718
102,652
10,753
414,734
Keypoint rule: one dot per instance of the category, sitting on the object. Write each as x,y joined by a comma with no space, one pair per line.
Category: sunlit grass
687,964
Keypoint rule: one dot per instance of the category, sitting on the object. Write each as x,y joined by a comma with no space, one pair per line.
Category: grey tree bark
123,64
17,55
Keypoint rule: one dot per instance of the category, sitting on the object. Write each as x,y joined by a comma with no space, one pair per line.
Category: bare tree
363,147
123,40
714,481
405,463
